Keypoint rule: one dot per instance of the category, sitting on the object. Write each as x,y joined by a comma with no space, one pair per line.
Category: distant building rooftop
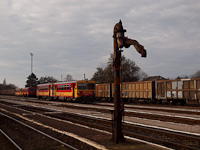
154,78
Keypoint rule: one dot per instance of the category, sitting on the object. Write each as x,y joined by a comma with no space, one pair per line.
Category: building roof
154,78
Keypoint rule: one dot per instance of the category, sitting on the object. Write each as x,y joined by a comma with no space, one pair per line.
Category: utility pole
120,41
31,62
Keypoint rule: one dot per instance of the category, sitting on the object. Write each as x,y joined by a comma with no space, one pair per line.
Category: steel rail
182,119
69,146
13,142
157,108
139,136
105,124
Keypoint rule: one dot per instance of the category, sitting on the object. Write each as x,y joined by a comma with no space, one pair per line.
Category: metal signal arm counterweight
123,41
138,47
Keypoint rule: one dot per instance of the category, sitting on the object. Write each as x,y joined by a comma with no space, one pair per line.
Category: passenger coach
18,92
27,92
81,91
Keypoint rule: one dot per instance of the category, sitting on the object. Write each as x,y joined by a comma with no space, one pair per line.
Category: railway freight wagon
81,91
180,90
103,91
7,92
132,91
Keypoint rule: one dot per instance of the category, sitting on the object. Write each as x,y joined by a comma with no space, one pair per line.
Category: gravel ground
170,125
98,137
25,137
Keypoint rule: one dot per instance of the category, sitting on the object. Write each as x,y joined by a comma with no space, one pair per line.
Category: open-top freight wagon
7,92
138,90
103,91
179,90
129,90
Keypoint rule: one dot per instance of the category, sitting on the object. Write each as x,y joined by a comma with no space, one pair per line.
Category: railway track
134,113
159,136
10,140
174,109
167,138
45,140
52,126
161,108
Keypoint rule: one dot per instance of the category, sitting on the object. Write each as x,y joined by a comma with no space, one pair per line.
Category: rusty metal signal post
120,41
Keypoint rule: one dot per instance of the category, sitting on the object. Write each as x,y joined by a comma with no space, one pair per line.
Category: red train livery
81,91
26,92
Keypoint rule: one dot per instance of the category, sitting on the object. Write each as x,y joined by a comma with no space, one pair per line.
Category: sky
75,36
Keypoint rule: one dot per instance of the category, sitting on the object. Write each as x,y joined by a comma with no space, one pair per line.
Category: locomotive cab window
82,86
32,90
91,86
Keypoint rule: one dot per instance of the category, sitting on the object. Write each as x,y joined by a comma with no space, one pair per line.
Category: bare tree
99,75
68,78
143,75
6,86
129,72
47,79
196,74
4,82
182,77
